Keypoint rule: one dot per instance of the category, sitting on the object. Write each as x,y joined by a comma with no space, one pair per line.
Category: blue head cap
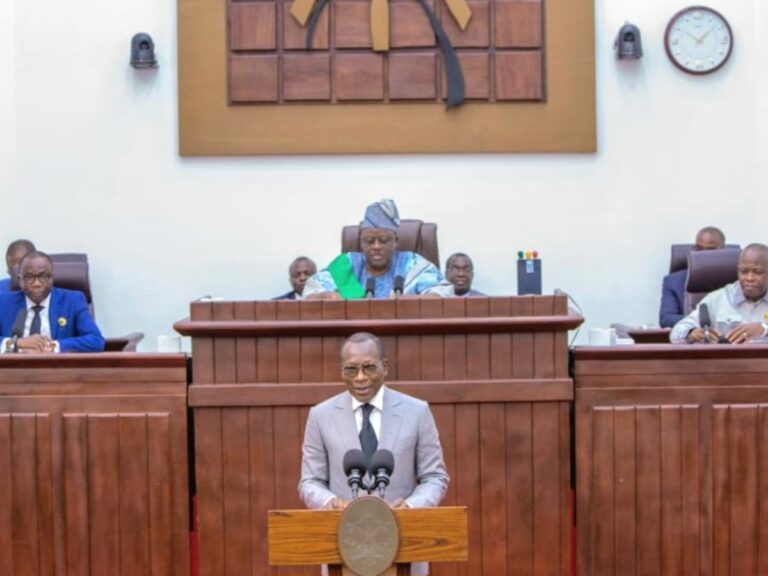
382,214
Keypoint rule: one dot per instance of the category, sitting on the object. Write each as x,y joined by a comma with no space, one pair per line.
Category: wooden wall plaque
248,85
501,53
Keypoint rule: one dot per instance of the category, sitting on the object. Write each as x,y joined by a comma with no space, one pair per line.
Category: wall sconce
143,51
628,45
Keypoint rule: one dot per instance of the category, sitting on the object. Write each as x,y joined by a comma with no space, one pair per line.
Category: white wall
89,163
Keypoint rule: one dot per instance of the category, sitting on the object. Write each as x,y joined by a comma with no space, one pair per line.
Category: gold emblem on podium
368,536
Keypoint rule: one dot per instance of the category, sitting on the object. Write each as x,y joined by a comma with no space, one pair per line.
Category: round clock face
698,40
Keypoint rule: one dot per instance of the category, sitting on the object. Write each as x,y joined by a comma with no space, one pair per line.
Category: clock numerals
698,40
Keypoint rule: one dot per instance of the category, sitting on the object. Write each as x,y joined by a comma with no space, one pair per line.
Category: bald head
710,238
753,271
16,251
359,338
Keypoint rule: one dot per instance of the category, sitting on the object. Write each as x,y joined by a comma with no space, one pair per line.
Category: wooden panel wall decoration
494,370
671,457
497,46
346,76
93,465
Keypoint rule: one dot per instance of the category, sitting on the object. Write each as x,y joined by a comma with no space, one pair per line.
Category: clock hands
701,38
692,36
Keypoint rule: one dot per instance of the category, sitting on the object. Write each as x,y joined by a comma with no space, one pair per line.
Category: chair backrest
679,257
70,271
709,270
413,236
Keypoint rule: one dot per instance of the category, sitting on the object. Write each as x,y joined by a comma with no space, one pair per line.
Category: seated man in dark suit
672,308
42,319
298,273
16,251
459,270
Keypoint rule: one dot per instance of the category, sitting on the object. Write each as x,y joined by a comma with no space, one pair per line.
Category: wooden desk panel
93,464
294,341
507,457
671,453
495,371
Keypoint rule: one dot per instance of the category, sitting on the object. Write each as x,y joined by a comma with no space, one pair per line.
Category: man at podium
370,416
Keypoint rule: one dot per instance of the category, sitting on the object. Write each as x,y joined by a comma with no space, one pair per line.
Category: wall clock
698,40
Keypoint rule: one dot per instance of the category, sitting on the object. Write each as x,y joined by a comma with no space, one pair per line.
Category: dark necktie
368,439
36,323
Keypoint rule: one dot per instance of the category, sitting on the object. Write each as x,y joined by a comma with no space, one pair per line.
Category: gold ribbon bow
459,9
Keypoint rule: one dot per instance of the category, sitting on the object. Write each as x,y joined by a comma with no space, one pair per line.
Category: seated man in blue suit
673,287
16,251
41,319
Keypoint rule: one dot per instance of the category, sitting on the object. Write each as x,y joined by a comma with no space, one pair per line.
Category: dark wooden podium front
93,464
495,371
672,459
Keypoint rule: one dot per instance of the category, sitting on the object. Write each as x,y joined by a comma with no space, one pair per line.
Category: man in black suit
672,308
298,272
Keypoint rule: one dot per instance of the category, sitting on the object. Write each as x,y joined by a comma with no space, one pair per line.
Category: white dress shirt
378,406
727,309
45,322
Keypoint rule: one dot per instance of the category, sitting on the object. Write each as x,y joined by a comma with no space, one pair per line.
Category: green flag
344,277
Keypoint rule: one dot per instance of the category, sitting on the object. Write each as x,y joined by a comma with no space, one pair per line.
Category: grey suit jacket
407,429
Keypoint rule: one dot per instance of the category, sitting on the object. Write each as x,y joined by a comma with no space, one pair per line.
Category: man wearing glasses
42,319
370,416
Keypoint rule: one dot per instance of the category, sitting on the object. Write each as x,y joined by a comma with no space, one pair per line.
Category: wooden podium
494,371
309,537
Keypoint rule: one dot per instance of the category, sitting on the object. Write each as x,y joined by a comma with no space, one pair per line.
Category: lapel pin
62,321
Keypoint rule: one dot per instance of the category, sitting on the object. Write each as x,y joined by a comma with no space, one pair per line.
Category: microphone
370,287
355,466
398,285
382,465
18,328
705,321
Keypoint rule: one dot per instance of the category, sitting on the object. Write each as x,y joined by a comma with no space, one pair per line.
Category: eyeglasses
351,370
43,277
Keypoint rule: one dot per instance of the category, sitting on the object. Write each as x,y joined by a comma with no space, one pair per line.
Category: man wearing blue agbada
380,268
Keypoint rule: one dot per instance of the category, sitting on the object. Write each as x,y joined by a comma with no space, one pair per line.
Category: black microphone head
704,319
383,459
370,284
398,284
18,325
355,459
